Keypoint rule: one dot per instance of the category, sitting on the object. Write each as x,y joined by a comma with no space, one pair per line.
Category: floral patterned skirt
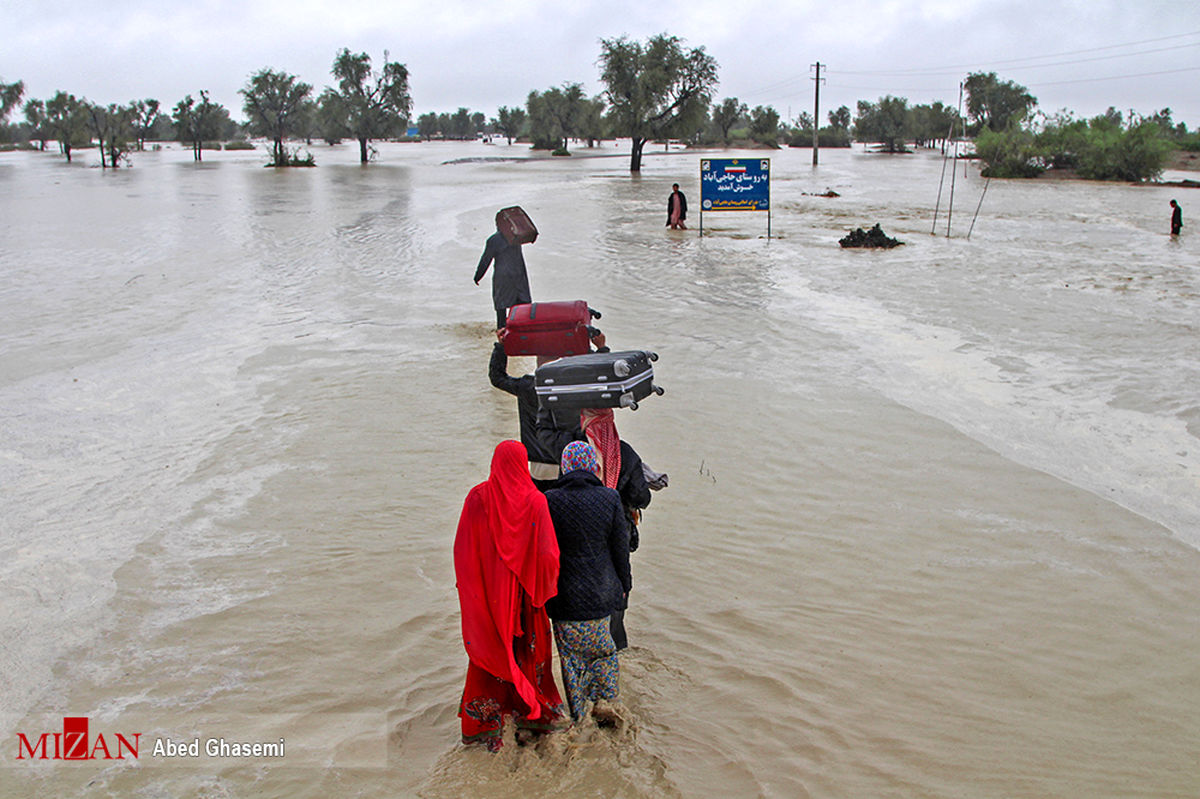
487,699
589,662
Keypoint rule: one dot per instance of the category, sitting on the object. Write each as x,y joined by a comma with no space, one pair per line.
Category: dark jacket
593,545
510,283
556,429
632,488
527,404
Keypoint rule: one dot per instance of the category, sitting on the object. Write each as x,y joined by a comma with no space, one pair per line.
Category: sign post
735,184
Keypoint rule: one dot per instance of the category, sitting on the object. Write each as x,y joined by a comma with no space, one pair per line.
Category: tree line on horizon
656,90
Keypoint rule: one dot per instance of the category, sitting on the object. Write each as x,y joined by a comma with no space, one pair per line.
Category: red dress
506,565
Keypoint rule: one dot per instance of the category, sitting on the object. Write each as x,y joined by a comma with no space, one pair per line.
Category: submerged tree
273,102
65,122
651,86
35,115
509,121
376,104
590,124
556,115
196,122
112,125
764,125
331,117
461,126
427,125
10,97
885,122
840,119
995,104
725,116
145,114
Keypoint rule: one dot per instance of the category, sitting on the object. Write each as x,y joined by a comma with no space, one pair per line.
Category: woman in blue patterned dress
593,578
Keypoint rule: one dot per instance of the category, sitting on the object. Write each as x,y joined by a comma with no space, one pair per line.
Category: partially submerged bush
293,158
875,237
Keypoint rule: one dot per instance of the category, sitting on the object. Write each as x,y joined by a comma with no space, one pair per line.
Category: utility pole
816,111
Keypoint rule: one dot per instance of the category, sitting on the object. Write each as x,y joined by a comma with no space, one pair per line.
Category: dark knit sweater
593,544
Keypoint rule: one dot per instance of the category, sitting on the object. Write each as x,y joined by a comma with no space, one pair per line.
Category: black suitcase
597,380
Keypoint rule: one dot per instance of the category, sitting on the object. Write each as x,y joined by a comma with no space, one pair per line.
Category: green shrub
826,137
1107,152
1190,142
293,158
1009,153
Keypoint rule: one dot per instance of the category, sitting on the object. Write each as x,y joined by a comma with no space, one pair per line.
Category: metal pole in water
816,112
954,172
977,207
941,182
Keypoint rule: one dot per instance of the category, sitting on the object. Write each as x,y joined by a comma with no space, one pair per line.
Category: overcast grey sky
1081,55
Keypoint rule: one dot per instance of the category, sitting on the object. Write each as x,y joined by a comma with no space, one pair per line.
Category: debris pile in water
875,237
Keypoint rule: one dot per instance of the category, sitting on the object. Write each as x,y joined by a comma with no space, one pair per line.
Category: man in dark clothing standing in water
676,209
1176,218
510,283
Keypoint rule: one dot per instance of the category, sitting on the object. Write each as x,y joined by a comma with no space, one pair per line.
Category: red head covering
601,431
505,544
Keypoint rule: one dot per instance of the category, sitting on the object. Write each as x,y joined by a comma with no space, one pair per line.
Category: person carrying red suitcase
543,463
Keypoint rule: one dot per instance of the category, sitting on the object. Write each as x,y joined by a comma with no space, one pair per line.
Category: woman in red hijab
506,566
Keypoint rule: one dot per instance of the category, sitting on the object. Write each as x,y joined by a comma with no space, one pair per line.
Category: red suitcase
549,328
515,225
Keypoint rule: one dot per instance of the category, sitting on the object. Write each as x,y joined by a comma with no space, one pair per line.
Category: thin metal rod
941,182
981,196
954,172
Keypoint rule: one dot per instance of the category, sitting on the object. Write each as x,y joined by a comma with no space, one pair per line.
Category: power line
1118,77
945,70
943,87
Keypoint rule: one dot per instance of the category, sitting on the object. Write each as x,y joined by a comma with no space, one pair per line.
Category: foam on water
1041,408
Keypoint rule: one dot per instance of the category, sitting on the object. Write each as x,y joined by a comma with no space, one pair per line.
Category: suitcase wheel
653,356
595,314
627,401
659,390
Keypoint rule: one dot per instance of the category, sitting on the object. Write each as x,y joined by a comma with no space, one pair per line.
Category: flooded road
932,525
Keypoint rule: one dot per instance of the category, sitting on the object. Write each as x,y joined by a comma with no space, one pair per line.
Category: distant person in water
1176,218
676,209
510,281
506,569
